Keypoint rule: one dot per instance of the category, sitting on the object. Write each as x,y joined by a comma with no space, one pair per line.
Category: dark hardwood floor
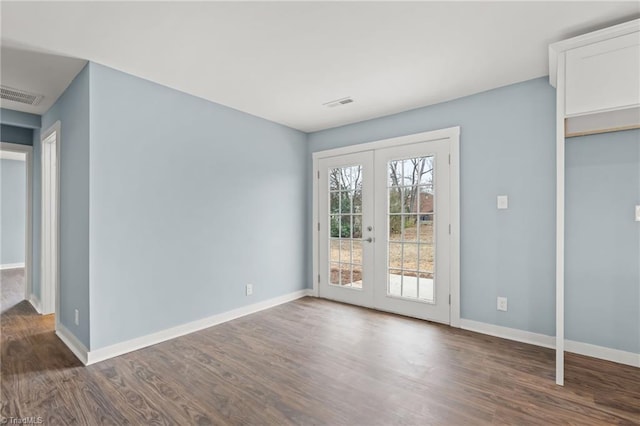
307,362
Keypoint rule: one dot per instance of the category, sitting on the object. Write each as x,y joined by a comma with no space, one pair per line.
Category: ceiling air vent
17,95
338,102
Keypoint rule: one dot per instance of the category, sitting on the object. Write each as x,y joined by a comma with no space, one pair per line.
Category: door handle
369,240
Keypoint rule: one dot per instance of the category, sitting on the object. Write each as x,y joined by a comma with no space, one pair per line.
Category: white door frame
451,133
28,271
51,293
560,189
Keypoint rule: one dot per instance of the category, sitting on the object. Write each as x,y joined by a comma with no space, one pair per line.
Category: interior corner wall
602,261
507,147
189,202
72,110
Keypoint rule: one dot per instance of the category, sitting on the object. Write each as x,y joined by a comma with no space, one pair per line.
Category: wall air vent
17,95
338,102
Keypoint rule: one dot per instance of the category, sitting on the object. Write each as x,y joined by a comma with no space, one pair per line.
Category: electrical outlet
502,304
637,213
249,289
77,319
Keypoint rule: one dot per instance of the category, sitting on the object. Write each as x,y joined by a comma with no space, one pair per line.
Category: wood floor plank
308,362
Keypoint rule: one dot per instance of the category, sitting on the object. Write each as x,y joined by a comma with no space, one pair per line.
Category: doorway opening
15,226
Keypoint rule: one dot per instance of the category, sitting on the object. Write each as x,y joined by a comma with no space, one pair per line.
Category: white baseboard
614,355
11,266
180,330
594,351
509,333
91,357
72,342
35,302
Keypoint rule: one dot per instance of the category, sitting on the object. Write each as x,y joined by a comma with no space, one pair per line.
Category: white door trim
560,189
451,133
28,267
50,301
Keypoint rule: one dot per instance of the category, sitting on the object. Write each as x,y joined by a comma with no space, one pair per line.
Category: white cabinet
603,75
597,77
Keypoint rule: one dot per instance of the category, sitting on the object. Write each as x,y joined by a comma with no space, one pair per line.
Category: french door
384,229
412,259
346,245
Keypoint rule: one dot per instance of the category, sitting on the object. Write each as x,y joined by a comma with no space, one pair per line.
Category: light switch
637,213
503,202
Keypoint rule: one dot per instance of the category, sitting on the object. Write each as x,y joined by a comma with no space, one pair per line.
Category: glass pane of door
411,219
345,232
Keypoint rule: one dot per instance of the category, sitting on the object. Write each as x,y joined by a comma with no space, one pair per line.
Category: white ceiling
38,73
283,60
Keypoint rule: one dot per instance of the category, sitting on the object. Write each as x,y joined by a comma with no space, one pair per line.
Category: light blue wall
603,240
507,147
13,193
13,134
72,109
19,119
190,201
